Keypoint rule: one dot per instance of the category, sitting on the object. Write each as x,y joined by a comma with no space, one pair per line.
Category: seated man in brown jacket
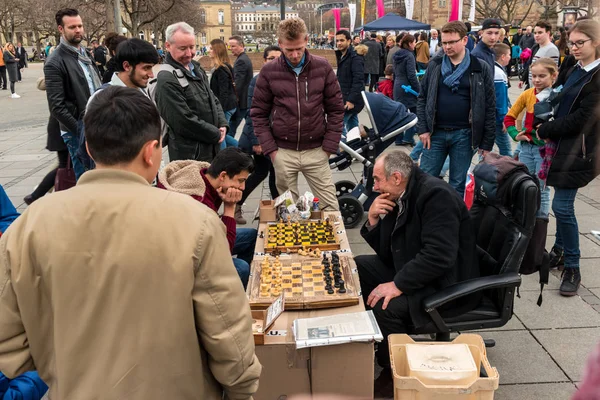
117,290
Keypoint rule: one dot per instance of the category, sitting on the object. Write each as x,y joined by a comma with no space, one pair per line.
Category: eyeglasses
578,44
450,43
271,58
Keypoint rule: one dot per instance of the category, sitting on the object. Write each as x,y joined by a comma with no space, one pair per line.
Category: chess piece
342,288
330,290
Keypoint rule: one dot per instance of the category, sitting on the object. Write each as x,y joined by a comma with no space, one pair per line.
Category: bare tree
509,11
141,13
184,10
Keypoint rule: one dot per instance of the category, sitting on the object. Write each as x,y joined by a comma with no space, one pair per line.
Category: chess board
302,282
290,237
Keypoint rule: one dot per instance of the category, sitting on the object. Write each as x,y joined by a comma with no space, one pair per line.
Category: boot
557,257
239,215
571,279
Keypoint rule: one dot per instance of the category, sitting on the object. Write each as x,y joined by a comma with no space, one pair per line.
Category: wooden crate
303,285
298,235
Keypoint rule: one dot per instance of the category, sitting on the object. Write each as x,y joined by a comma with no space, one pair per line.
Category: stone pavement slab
540,391
569,347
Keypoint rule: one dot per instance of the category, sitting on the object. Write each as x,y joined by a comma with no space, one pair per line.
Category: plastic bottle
315,204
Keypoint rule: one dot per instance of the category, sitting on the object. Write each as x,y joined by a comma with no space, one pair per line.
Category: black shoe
571,279
557,257
3,88
384,385
28,199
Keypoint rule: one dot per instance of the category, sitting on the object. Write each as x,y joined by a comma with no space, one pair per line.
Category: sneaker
15,96
571,279
557,257
239,215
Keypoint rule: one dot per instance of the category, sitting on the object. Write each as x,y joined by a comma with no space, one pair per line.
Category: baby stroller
389,119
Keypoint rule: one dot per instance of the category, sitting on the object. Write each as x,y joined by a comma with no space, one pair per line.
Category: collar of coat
284,62
169,60
349,53
111,176
184,177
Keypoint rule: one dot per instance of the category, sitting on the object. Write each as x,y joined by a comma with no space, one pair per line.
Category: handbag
65,177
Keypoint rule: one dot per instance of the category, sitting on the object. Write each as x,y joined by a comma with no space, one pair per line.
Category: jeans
503,141
350,122
408,137
456,144
530,156
229,113
245,241
72,143
3,79
229,142
567,230
236,119
415,154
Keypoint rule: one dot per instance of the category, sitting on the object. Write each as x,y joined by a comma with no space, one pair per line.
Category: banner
352,9
472,12
456,11
337,17
410,6
380,9
363,9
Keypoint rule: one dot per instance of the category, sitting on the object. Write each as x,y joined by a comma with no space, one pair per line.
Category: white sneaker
15,96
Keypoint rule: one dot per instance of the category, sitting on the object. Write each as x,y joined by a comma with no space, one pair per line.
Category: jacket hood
402,54
184,177
361,49
419,44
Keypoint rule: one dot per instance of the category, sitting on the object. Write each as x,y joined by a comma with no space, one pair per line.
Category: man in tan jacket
117,290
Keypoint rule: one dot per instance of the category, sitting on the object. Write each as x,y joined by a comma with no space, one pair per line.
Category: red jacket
386,87
298,112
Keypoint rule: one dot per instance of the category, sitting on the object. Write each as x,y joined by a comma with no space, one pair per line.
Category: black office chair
503,232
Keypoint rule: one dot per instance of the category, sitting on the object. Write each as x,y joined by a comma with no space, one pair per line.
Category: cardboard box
264,319
345,370
266,211
410,387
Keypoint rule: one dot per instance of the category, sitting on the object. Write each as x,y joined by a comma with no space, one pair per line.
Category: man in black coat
422,233
243,72
350,74
21,54
99,56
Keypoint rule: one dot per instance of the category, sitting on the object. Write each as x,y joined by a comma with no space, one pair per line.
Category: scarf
83,58
452,77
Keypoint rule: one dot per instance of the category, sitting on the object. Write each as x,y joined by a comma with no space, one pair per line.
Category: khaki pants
314,165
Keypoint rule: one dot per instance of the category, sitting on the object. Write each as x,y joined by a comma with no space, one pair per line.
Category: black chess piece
330,290
262,235
342,287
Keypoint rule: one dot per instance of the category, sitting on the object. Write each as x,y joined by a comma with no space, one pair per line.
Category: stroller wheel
344,187
351,210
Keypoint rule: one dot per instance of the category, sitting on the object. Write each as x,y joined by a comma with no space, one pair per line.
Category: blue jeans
350,122
456,144
229,113
530,156
503,142
245,241
409,135
415,154
236,119
72,143
567,230
229,142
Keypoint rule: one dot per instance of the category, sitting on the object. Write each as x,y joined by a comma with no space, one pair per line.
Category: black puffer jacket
351,76
193,114
575,163
405,74
483,102
67,89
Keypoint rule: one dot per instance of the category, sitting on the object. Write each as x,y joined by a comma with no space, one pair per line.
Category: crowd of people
156,270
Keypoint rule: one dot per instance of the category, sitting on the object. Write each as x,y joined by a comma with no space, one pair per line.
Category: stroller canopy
386,114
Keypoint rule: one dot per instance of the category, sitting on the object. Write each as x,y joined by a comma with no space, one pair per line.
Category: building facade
256,19
216,17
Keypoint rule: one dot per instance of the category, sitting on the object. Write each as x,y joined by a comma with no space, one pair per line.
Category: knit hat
490,23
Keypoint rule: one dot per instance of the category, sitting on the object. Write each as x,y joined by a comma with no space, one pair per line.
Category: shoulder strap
179,75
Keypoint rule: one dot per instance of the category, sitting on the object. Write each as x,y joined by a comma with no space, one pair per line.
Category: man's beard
74,39
135,81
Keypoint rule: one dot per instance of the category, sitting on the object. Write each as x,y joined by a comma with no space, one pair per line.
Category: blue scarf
452,76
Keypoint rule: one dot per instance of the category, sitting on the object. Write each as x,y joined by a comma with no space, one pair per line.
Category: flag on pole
410,6
352,9
472,12
380,9
337,17
363,8
456,11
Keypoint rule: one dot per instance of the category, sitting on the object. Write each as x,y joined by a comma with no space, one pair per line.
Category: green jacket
193,114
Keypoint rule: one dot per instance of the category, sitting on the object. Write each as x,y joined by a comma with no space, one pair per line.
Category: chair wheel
351,210
344,187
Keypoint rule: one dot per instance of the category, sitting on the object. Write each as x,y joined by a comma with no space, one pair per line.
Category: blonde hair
548,63
219,49
292,29
361,49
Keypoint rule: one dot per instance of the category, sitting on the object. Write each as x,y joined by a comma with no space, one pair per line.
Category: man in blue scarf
456,107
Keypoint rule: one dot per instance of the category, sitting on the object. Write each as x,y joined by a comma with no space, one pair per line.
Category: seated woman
221,182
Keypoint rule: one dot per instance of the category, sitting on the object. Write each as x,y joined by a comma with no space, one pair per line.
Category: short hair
356,36
399,37
269,49
501,49
112,41
397,161
373,35
468,26
94,41
455,27
406,40
389,70
292,29
135,51
232,161
238,39
547,63
544,24
114,131
345,33
176,27
65,12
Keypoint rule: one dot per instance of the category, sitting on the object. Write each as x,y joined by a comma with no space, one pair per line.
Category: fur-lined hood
361,49
184,177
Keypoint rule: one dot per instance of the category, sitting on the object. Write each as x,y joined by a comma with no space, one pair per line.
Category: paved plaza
540,353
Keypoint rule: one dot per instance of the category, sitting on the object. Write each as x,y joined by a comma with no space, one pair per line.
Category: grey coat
373,57
12,66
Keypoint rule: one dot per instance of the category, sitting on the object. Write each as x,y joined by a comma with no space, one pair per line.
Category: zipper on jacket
298,99
306,90
471,114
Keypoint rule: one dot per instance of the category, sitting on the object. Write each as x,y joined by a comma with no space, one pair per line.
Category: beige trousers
314,165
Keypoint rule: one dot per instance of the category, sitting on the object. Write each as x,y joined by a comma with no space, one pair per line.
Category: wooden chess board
302,283
291,237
